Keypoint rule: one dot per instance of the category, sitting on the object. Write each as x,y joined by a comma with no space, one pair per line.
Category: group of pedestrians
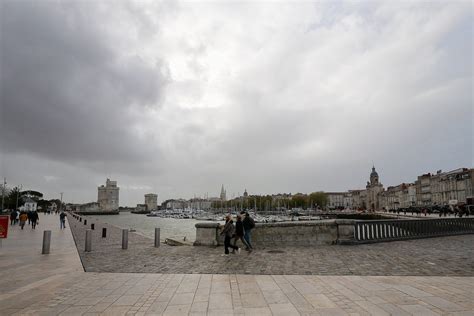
20,217
240,231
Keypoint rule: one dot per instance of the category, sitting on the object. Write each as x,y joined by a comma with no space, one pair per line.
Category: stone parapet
306,233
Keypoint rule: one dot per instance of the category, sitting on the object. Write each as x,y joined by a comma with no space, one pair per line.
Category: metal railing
386,230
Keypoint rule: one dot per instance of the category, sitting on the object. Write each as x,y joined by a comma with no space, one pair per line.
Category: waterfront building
409,195
452,187
335,200
391,199
175,204
356,198
200,204
423,190
108,196
89,207
151,201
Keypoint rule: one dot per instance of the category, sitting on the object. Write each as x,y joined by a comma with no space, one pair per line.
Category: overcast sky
177,98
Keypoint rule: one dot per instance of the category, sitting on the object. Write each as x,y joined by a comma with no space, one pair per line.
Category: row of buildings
428,190
437,189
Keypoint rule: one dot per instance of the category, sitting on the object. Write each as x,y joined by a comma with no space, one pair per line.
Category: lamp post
3,191
17,194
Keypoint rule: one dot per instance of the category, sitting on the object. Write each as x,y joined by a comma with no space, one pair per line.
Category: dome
374,173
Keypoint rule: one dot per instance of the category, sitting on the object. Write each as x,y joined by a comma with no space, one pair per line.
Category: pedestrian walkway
55,284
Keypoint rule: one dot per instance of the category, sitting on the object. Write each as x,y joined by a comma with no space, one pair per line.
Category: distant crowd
20,218
442,211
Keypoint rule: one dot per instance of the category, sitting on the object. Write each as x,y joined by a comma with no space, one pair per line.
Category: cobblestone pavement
445,256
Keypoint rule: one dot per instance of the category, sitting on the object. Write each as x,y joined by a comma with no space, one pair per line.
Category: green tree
300,200
11,198
319,198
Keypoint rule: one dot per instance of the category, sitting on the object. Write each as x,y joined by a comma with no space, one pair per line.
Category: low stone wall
305,233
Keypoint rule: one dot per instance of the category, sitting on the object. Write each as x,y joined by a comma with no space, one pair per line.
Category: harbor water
169,227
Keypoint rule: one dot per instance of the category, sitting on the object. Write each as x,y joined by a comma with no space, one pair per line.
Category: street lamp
18,193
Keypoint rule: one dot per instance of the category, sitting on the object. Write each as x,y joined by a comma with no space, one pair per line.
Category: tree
319,198
11,198
300,200
35,195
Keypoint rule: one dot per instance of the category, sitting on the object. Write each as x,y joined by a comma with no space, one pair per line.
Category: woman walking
228,232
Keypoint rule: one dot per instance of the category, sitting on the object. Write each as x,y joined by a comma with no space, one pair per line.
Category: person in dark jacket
239,232
228,232
62,220
248,224
34,217
13,215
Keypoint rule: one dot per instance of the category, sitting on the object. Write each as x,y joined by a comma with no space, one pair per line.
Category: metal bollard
80,219
88,240
124,238
157,237
85,222
104,232
92,226
46,242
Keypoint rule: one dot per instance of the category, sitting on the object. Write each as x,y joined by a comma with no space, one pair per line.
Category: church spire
223,194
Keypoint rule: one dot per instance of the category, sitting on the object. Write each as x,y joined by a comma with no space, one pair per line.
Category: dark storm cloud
68,89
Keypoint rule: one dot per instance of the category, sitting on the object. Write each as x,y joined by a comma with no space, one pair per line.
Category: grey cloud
66,90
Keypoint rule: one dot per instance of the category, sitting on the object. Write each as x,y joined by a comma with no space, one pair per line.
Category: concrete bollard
85,222
88,240
104,232
157,237
92,226
46,242
124,238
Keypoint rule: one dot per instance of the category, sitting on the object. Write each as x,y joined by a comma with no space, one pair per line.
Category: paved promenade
411,257
55,284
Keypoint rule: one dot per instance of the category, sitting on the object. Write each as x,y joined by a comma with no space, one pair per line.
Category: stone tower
373,188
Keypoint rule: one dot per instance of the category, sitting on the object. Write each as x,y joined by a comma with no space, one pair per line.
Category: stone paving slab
177,294
447,256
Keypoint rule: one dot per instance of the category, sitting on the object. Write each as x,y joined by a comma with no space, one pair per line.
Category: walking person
13,217
239,232
228,232
34,219
248,224
23,219
29,214
62,220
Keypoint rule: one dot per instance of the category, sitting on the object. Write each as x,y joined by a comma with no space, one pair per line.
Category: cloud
68,90
178,98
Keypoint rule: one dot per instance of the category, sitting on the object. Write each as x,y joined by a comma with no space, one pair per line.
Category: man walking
62,220
34,219
248,224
